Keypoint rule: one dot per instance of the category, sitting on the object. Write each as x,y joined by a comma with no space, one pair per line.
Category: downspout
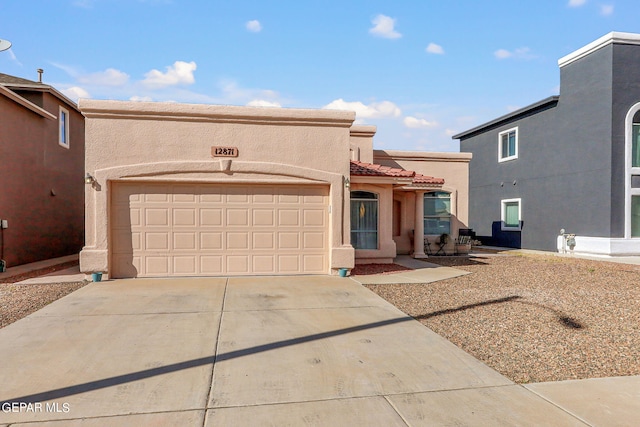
3,263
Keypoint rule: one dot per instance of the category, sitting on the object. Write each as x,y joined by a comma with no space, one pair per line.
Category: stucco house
567,162
42,156
183,190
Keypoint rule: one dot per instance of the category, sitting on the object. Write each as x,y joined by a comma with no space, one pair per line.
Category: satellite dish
4,45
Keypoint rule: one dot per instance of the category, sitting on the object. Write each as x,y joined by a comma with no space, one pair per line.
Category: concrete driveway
311,350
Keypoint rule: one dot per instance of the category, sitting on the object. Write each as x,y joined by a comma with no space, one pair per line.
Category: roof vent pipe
40,71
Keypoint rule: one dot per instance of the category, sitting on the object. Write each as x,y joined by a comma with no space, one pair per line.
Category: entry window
511,215
635,216
635,146
508,145
63,118
437,213
364,220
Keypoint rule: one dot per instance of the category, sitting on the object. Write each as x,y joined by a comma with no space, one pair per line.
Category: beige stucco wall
168,141
362,143
453,167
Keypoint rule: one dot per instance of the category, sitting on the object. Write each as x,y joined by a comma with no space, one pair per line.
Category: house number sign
224,151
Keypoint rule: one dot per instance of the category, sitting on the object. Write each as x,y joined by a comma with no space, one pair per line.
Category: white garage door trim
171,229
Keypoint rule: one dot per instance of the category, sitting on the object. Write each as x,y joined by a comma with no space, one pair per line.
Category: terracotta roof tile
424,179
371,169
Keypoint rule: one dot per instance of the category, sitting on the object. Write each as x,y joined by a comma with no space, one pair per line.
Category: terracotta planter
463,249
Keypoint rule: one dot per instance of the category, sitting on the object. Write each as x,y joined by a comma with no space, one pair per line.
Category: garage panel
214,229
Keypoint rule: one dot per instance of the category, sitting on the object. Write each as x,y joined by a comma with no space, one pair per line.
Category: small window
635,146
364,220
635,216
437,213
511,215
508,145
64,128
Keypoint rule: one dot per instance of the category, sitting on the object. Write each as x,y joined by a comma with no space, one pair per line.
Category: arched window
364,220
635,141
437,213
632,181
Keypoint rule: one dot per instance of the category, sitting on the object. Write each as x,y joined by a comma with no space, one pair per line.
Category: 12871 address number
224,151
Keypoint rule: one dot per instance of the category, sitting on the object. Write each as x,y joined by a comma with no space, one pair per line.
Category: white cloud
435,48
179,73
235,94
450,132
254,26
577,3
108,77
137,98
373,110
415,123
75,93
66,68
263,103
606,9
502,54
383,26
520,53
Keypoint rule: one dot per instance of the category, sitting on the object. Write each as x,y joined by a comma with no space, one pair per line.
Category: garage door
199,230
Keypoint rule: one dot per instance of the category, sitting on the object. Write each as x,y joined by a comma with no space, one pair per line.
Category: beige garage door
199,230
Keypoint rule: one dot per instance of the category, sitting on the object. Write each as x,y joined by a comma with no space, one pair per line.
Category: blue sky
420,71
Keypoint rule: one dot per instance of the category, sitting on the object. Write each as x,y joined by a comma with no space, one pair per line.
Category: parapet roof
612,37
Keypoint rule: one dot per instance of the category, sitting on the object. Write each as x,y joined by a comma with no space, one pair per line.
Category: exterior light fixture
88,179
346,181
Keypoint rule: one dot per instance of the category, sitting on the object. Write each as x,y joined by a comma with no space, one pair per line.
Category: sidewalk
495,250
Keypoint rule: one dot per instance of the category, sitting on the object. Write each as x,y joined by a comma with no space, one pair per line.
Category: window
632,173
437,213
364,220
63,128
635,216
635,146
508,145
511,215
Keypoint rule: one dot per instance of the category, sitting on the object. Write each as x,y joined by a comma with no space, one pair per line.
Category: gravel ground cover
534,318
18,301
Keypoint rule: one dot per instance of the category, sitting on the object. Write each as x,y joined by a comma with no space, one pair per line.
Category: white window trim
66,128
515,156
503,203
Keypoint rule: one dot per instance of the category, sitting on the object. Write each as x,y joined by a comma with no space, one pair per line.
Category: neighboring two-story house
567,162
42,172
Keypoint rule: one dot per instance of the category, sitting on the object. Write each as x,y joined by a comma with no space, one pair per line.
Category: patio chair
442,242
